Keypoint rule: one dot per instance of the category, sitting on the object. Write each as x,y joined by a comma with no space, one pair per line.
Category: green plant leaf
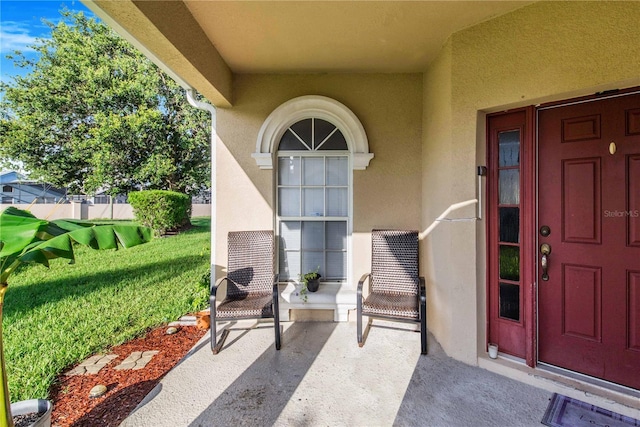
130,236
19,228
26,238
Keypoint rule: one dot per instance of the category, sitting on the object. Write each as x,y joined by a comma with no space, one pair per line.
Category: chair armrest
214,290
361,283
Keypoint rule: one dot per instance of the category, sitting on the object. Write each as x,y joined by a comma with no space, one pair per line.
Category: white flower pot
493,351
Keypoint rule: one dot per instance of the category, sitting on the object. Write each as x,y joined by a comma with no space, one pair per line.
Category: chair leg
216,345
276,325
423,327
220,343
359,323
213,331
275,307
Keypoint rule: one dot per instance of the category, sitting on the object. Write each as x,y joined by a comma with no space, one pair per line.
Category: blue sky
21,23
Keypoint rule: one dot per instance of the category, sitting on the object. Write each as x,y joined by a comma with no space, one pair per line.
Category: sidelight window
510,230
509,223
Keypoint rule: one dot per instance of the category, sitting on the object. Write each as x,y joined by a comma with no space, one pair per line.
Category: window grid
331,261
313,200
307,256
509,250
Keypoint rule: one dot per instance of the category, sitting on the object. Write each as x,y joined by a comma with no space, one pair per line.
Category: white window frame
312,106
332,111
349,219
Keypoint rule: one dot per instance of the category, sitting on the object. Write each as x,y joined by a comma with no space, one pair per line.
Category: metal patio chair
396,292
252,285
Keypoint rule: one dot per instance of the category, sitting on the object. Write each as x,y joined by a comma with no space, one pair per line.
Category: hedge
161,210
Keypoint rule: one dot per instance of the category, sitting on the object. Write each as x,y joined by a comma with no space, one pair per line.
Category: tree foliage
94,113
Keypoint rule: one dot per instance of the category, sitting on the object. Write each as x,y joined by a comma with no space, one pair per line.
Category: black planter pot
313,284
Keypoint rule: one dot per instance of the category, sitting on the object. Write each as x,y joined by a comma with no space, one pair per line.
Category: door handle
545,250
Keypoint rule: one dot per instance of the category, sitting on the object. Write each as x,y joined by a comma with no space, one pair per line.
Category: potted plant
310,283
25,238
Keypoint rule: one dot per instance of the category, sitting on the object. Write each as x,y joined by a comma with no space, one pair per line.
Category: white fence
75,210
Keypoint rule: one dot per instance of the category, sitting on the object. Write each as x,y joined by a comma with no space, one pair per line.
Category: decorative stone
98,391
125,365
92,369
92,365
137,360
92,360
171,330
133,357
78,370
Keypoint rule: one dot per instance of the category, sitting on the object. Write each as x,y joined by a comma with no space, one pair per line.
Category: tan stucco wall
386,194
437,158
546,51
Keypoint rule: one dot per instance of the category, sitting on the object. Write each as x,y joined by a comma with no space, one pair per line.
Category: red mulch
72,405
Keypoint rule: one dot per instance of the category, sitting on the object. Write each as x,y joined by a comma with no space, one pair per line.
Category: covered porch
421,80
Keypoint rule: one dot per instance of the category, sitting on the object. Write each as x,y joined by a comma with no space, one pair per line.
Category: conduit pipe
443,216
214,138
482,171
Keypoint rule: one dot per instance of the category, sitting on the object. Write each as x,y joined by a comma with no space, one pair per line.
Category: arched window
314,143
318,107
313,135
313,195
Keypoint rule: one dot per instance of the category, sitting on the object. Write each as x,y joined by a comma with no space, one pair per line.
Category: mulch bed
72,405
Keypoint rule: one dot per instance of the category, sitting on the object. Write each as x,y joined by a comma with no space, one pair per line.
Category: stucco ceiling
336,36
202,43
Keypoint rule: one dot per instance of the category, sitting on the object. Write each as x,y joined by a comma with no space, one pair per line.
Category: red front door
589,198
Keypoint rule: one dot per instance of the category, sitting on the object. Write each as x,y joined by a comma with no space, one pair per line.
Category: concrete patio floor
321,377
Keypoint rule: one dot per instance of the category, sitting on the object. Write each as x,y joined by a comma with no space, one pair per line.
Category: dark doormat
564,411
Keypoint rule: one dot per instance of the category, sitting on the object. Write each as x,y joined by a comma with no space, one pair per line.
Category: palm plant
25,238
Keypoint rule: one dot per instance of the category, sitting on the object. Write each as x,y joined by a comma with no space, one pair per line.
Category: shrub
201,296
161,210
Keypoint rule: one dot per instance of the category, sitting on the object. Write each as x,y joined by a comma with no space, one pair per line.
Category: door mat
564,411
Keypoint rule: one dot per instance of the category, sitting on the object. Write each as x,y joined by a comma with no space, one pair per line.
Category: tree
94,113
25,238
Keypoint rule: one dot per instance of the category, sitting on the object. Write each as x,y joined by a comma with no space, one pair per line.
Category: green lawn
54,318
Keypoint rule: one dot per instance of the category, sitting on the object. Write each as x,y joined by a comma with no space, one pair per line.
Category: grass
56,317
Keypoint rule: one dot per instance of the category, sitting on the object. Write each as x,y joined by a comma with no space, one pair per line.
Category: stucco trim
305,107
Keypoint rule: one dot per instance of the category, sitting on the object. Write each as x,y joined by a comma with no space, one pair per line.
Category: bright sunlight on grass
58,317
